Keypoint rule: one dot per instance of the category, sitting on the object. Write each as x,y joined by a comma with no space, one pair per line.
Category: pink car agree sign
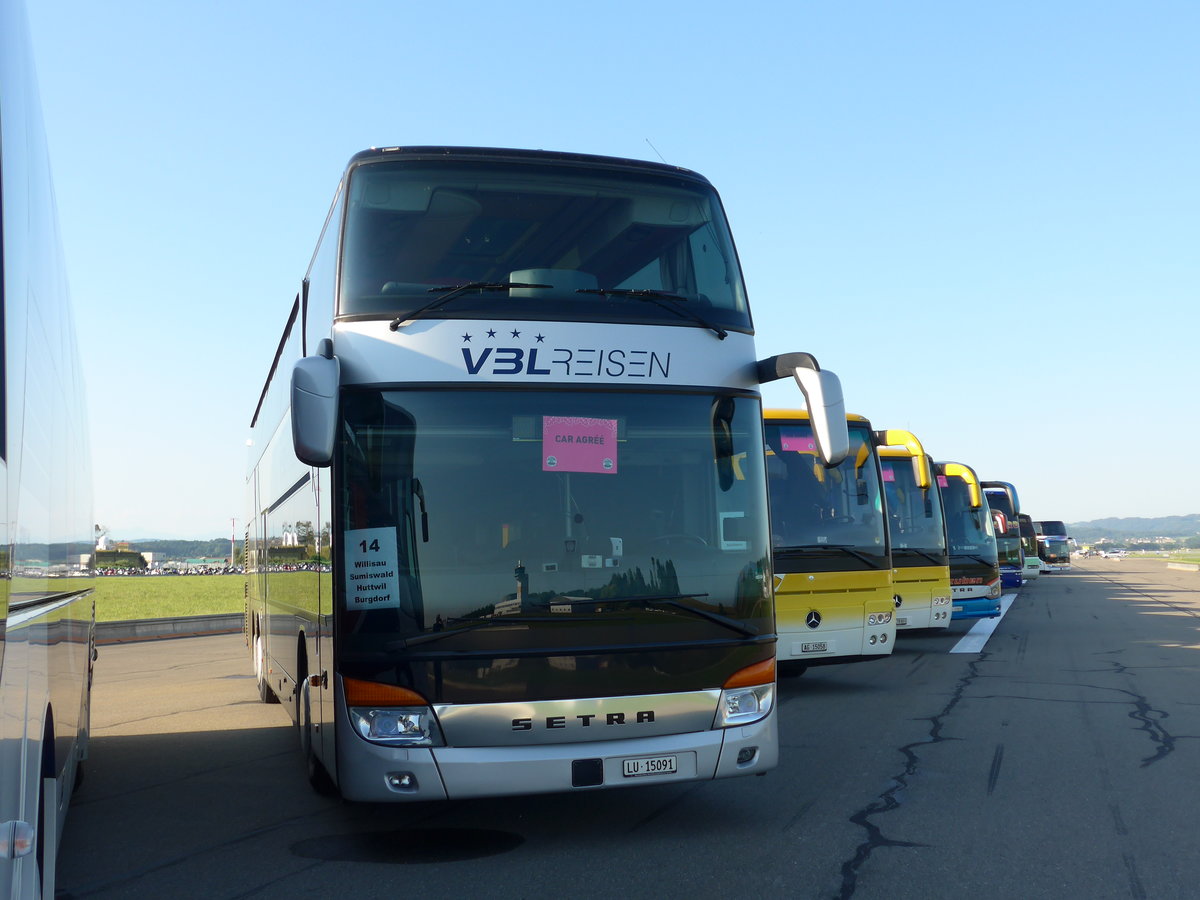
578,444
798,440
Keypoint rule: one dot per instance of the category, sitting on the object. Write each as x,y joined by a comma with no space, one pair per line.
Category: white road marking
975,639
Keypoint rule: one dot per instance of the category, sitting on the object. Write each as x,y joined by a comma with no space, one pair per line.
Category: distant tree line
1128,528
184,549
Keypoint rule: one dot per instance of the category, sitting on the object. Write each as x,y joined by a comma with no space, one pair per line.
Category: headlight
412,727
741,706
390,714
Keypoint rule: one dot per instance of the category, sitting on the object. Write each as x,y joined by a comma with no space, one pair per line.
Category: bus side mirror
1000,520
314,406
826,412
822,392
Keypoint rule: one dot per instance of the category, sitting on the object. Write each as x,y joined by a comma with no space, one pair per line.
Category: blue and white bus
1002,497
971,539
46,607
508,526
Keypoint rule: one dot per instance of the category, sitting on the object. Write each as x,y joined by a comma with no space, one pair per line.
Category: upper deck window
417,227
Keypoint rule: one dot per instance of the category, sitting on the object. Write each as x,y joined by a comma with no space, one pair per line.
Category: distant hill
1119,529
184,549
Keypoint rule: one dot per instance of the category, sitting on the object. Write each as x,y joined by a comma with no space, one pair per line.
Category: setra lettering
587,720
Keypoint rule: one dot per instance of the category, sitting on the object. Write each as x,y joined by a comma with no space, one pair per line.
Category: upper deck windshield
999,500
969,531
583,236
1053,527
834,515
914,514
506,523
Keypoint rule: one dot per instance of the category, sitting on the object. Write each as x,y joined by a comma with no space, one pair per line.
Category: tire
318,775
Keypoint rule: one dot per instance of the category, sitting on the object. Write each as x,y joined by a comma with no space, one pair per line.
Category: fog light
883,639
746,754
402,781
872,640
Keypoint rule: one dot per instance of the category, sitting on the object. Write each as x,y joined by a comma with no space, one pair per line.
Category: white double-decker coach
47,611
508,520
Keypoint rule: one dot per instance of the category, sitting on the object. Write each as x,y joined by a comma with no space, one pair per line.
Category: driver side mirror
826,413
314,405
822,393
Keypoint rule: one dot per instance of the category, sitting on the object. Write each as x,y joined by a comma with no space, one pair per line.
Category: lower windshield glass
1056,549
509,522
914,514
817,511
969,531
1008,549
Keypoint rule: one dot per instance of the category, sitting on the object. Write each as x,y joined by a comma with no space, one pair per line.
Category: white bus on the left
47,616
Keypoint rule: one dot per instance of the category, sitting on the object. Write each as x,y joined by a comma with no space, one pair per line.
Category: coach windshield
608,244
496,523
817,512
914,514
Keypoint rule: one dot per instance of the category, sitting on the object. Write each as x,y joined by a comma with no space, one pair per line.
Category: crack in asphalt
1149,717
889,799
1150,721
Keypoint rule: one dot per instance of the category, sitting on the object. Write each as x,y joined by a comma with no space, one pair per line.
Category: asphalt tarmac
1059,761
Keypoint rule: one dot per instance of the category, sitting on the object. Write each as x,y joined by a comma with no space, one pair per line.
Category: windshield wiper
673,601
929,556
848,549
471,625
456,290
986,562
660,299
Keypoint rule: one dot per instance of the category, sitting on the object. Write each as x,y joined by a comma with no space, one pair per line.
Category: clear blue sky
984,217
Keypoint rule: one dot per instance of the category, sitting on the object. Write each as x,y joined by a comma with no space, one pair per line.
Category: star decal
466,338
540,338
516,333
491,332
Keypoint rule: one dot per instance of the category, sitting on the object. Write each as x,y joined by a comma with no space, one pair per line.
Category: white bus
46,606
508,525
